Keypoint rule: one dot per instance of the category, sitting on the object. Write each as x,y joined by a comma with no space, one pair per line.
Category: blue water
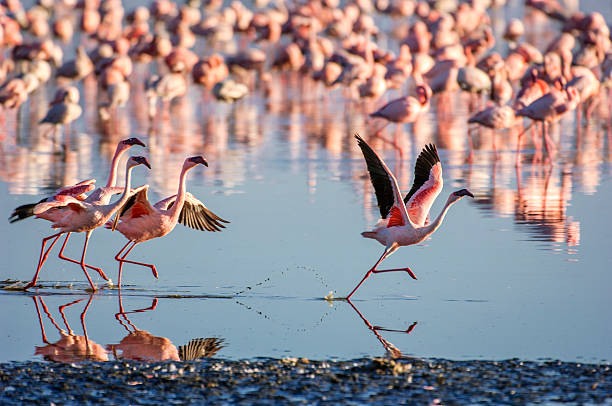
521,271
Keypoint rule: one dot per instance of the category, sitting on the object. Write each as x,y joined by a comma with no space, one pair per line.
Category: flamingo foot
154,270
408,270
29,285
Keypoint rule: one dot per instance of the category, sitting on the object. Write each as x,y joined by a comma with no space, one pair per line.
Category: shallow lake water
522,270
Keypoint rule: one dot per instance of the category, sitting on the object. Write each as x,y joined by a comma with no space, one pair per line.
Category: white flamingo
101,195
82,216
138,221
404,222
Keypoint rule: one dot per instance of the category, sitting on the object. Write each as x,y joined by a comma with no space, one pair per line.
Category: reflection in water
137,345
70,347
391,349
141,345
237,140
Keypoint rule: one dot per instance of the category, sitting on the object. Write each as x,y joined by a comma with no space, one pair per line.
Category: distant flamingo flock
436,49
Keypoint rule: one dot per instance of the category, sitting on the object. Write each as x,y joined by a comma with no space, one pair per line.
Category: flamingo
83,216
139,221
101,195
548,109
404,109
404,222
493,117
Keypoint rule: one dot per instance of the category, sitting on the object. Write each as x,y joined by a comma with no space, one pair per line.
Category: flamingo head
460,193
423,93
195,160
132,141
138,160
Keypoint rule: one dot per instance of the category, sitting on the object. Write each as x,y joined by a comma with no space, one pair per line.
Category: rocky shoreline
276,381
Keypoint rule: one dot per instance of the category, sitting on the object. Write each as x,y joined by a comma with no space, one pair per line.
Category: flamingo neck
433,226
176,208
111,208
112,176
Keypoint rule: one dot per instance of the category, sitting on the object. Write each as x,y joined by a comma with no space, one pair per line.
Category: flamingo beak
464,192
142,160
134,141
198,160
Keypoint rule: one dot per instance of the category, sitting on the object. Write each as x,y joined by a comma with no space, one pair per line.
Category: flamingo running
83,216
404,222
139,221
101,195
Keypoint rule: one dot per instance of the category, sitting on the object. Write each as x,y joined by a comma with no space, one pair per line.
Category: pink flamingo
101,195
83,216
404,222
140,221
404,109
495,118
548,109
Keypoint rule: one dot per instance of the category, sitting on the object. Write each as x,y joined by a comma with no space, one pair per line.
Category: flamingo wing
195,214
138,205
426,186
65,202
385,185
200,348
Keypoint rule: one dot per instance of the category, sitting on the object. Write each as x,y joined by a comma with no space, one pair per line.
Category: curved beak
198,160
134,141
142,160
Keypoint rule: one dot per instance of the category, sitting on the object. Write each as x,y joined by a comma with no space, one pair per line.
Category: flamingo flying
139,221
83,216
404,222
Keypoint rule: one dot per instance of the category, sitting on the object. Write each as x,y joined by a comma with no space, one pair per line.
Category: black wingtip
425,161
22,212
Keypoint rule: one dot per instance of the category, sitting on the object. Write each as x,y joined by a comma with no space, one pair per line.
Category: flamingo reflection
70,347
141,345
391,349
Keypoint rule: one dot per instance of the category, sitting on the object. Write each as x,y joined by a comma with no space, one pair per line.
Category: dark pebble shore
272,381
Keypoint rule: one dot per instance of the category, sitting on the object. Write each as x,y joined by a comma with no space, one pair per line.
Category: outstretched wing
426,186
136,206
194,214
385,185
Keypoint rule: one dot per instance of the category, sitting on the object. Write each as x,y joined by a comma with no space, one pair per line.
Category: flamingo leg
82,263
61,310
84,328
43,257
519,138
117,257
42,326
388,251
470,157
61,256
122,259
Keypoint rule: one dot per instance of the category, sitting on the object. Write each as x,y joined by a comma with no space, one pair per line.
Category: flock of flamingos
437,49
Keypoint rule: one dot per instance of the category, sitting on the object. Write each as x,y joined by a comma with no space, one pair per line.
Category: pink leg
550,145
61,256
388,251
61,310
43,257
122,259
83,325
470,157
82,263
42,326
121,267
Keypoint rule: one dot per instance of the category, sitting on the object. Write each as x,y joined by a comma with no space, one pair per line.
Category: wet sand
275,381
